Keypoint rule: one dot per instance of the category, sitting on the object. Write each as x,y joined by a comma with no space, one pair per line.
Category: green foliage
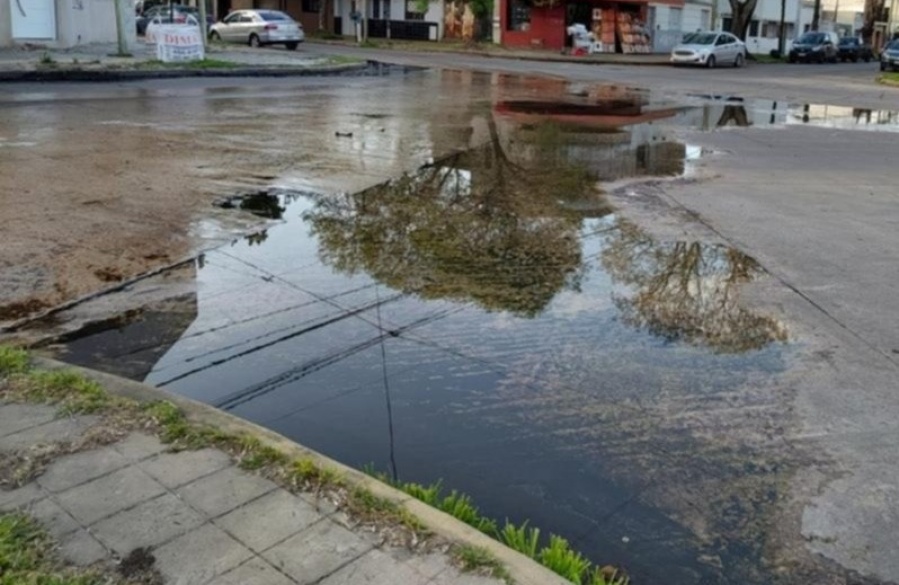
73,392
557,556
521,538
13,360
47,59
474,558
560,559
25,557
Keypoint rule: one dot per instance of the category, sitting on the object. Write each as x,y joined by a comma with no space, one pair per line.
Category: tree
687,291
741,12
475,226
816,15
875,10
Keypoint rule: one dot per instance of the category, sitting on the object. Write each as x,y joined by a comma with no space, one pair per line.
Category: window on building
770,30
412,12
705,19
311,5
727,23
519,16
674,18
753,28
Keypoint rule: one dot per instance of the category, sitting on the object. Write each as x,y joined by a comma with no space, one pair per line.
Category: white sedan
257,28
709,49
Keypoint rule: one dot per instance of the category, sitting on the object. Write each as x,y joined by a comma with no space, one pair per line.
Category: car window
893,46
272,15
847,41
232,18
699,39
247,18
722,40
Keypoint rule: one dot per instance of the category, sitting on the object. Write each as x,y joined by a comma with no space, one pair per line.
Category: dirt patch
19,309
138,567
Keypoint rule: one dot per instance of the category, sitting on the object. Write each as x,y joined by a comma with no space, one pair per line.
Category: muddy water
487,319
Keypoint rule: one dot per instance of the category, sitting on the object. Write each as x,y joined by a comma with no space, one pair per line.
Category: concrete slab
137,446
454,577
54,519
59,430
267,521
253,572
428,565
109,494
224,490
149,524
18,417
199,556
81,549
78,468
13,499
176,469
375,568
317,552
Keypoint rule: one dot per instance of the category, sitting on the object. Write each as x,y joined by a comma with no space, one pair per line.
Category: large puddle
487,319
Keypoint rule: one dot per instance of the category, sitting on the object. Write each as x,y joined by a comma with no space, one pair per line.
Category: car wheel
215,37
291,46
738,62
710,62
254,41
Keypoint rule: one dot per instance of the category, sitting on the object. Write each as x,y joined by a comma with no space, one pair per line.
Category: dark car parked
814,47
889,56
853,49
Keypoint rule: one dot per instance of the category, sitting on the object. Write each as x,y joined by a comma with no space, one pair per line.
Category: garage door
33,19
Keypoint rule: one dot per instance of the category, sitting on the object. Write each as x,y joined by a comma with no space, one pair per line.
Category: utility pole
782,36
120,28
202,8
816,15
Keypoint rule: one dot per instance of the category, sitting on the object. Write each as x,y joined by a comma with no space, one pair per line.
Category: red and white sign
176,42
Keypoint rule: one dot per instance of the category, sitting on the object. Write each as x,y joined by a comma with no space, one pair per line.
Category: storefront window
519,17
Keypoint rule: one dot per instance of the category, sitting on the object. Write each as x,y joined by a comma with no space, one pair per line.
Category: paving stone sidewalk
205,520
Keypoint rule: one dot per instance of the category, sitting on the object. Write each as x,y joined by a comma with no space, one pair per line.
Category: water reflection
477,226
686,291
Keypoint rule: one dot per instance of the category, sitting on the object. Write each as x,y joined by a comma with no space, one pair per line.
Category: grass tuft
521,538
560,559
480,560
13,361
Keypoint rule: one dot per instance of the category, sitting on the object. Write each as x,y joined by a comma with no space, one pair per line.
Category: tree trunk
322,8
873,13
782,31
816,16
741,15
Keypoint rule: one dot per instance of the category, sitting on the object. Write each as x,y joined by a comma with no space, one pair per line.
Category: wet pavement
447,293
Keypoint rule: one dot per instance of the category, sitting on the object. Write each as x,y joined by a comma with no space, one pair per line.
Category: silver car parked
709,49
257,28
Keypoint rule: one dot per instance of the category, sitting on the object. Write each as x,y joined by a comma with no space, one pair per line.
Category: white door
33,19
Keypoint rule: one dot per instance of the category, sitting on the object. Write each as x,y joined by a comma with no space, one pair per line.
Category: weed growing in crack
480,560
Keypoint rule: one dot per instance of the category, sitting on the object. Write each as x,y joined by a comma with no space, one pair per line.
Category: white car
709,49
257,28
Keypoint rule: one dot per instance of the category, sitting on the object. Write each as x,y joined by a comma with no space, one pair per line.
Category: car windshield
271,15
700,39
811,39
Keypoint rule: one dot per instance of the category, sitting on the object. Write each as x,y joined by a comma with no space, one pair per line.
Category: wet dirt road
603,364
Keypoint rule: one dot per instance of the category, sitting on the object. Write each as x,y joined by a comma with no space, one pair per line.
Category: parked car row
710,49
251,27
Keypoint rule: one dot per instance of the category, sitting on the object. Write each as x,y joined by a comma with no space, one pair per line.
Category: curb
522,569
487,54
136,75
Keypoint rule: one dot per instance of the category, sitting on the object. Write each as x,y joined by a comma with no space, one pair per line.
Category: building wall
5,24
78,22
547,29
344,10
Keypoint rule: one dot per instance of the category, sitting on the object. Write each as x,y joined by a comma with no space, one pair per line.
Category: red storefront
617,26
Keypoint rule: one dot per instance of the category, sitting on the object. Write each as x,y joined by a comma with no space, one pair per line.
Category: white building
405,20
764,28
60,24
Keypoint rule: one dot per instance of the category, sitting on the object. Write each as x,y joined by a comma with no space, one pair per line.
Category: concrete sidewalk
205,520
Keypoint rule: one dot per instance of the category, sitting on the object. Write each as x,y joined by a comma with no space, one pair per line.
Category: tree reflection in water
475,226
687,291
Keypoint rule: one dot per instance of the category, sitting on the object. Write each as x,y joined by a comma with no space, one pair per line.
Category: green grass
12,360
26,559
889,78
765,58
557,555
198,64
343,60
477,559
